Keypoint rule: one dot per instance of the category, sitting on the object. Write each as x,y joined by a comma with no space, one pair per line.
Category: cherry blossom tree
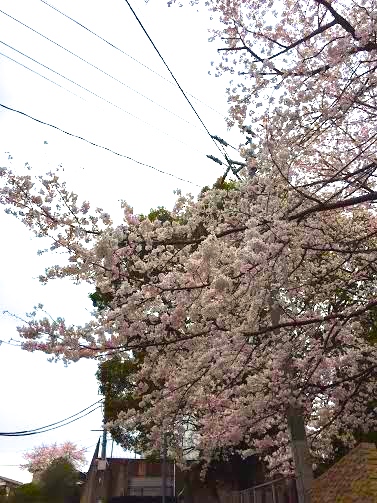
257,297
303,83
195,294
41,457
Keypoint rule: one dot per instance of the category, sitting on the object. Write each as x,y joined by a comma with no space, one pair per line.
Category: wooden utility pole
104,444
101,470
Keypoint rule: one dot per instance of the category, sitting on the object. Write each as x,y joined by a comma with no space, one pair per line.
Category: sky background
35,392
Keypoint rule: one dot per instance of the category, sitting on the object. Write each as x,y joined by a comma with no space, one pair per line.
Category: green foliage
225,185
57,484
100,300
27,493
115,376
116,383
161,214
220,184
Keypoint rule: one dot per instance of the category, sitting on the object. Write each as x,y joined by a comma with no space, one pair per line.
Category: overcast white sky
35,392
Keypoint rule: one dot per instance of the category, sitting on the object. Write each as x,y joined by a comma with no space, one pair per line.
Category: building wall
136,477
353,479
125,476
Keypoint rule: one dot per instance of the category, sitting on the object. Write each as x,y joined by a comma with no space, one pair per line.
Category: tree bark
297,432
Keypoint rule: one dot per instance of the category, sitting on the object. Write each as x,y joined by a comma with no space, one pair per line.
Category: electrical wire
62,420
99,146
98,69
175,80
221,149
101,97
52,426
40,75
9,343
126,54
50,429
90,446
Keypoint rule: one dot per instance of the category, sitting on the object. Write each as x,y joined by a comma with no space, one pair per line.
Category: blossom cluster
196,295
256,297
40,458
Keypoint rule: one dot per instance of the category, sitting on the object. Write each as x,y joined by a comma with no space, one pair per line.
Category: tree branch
351,201
338,18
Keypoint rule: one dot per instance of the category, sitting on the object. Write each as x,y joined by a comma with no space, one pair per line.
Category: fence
276,491
149,491
141,499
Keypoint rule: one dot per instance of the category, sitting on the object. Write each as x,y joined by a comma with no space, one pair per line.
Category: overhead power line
126,54
98,146
57,422
28,434
9,343
175,80
53,426
96,68
43,76
100,97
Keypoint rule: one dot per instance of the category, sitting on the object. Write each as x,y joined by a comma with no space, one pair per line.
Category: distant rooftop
5,480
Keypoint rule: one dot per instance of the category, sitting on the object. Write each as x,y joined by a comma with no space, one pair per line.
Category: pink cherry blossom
199,295
38,459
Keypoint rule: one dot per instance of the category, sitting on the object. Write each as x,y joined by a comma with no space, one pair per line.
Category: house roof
10,481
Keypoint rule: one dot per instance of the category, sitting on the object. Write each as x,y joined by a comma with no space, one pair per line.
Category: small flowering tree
41,457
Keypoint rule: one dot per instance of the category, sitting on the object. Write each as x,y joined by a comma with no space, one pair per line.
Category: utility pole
297,432
104,444
102,473
163,465
301,453
101,469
